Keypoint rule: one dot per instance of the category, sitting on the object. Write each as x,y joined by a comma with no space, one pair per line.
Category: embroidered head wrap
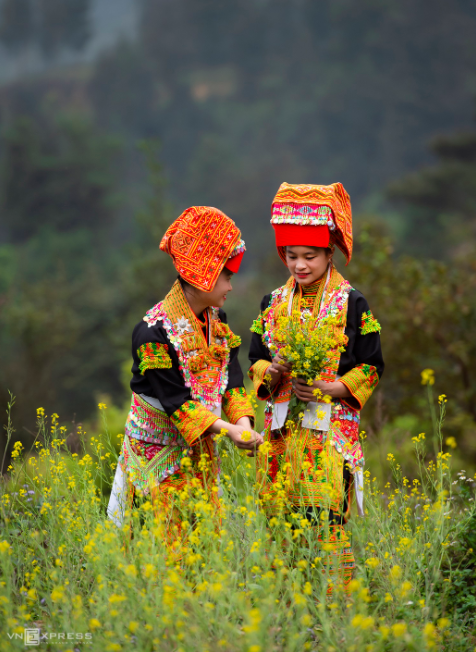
317,216
201,242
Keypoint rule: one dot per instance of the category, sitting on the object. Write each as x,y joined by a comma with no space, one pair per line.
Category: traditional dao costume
328,437
185,371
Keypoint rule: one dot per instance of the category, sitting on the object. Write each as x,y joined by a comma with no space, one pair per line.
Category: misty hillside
109,20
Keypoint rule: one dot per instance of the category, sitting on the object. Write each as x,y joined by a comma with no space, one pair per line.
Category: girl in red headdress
316,461
185,371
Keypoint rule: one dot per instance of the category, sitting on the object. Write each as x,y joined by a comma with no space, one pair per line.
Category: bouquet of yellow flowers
307,343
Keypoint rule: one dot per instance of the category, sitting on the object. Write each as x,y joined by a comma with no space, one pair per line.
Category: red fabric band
233,264
306,235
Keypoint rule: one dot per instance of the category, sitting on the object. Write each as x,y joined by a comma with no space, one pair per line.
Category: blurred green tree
148,273
439,202
69,298
58,280
427,310
56,172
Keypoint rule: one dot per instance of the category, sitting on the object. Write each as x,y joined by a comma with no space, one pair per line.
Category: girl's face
307,264
217,296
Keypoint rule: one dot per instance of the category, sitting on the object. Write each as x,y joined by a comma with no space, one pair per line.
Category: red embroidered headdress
201,242
316,216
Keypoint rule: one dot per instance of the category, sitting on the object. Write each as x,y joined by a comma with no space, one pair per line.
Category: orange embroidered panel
334,196
200,242
283,389
300,470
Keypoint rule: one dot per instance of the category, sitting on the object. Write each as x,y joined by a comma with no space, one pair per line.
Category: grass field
238,585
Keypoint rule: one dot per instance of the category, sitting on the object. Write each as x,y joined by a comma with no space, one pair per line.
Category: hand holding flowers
304,344
276,369
245,439
241,434
306,392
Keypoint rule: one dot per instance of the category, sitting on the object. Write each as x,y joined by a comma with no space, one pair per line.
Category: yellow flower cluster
307,343
17,449
427,377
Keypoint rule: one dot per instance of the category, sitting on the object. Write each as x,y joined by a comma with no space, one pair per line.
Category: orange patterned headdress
201,242
318,216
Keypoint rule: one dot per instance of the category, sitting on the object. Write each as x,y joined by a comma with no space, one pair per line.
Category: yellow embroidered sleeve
361,382
237,404
192,420
257,373
153,356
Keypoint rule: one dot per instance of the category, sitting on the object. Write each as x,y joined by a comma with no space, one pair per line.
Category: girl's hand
305,392
245,438
240,433
276,369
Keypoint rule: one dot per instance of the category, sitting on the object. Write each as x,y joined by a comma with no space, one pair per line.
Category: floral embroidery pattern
149,464
369,324
149,424
276,299
153,356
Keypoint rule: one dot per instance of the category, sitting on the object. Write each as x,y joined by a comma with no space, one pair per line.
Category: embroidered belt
150,424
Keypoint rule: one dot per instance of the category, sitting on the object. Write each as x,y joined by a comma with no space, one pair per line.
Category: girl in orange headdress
185,372
315,460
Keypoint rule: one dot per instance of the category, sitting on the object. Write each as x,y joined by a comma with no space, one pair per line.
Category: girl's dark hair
185,284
